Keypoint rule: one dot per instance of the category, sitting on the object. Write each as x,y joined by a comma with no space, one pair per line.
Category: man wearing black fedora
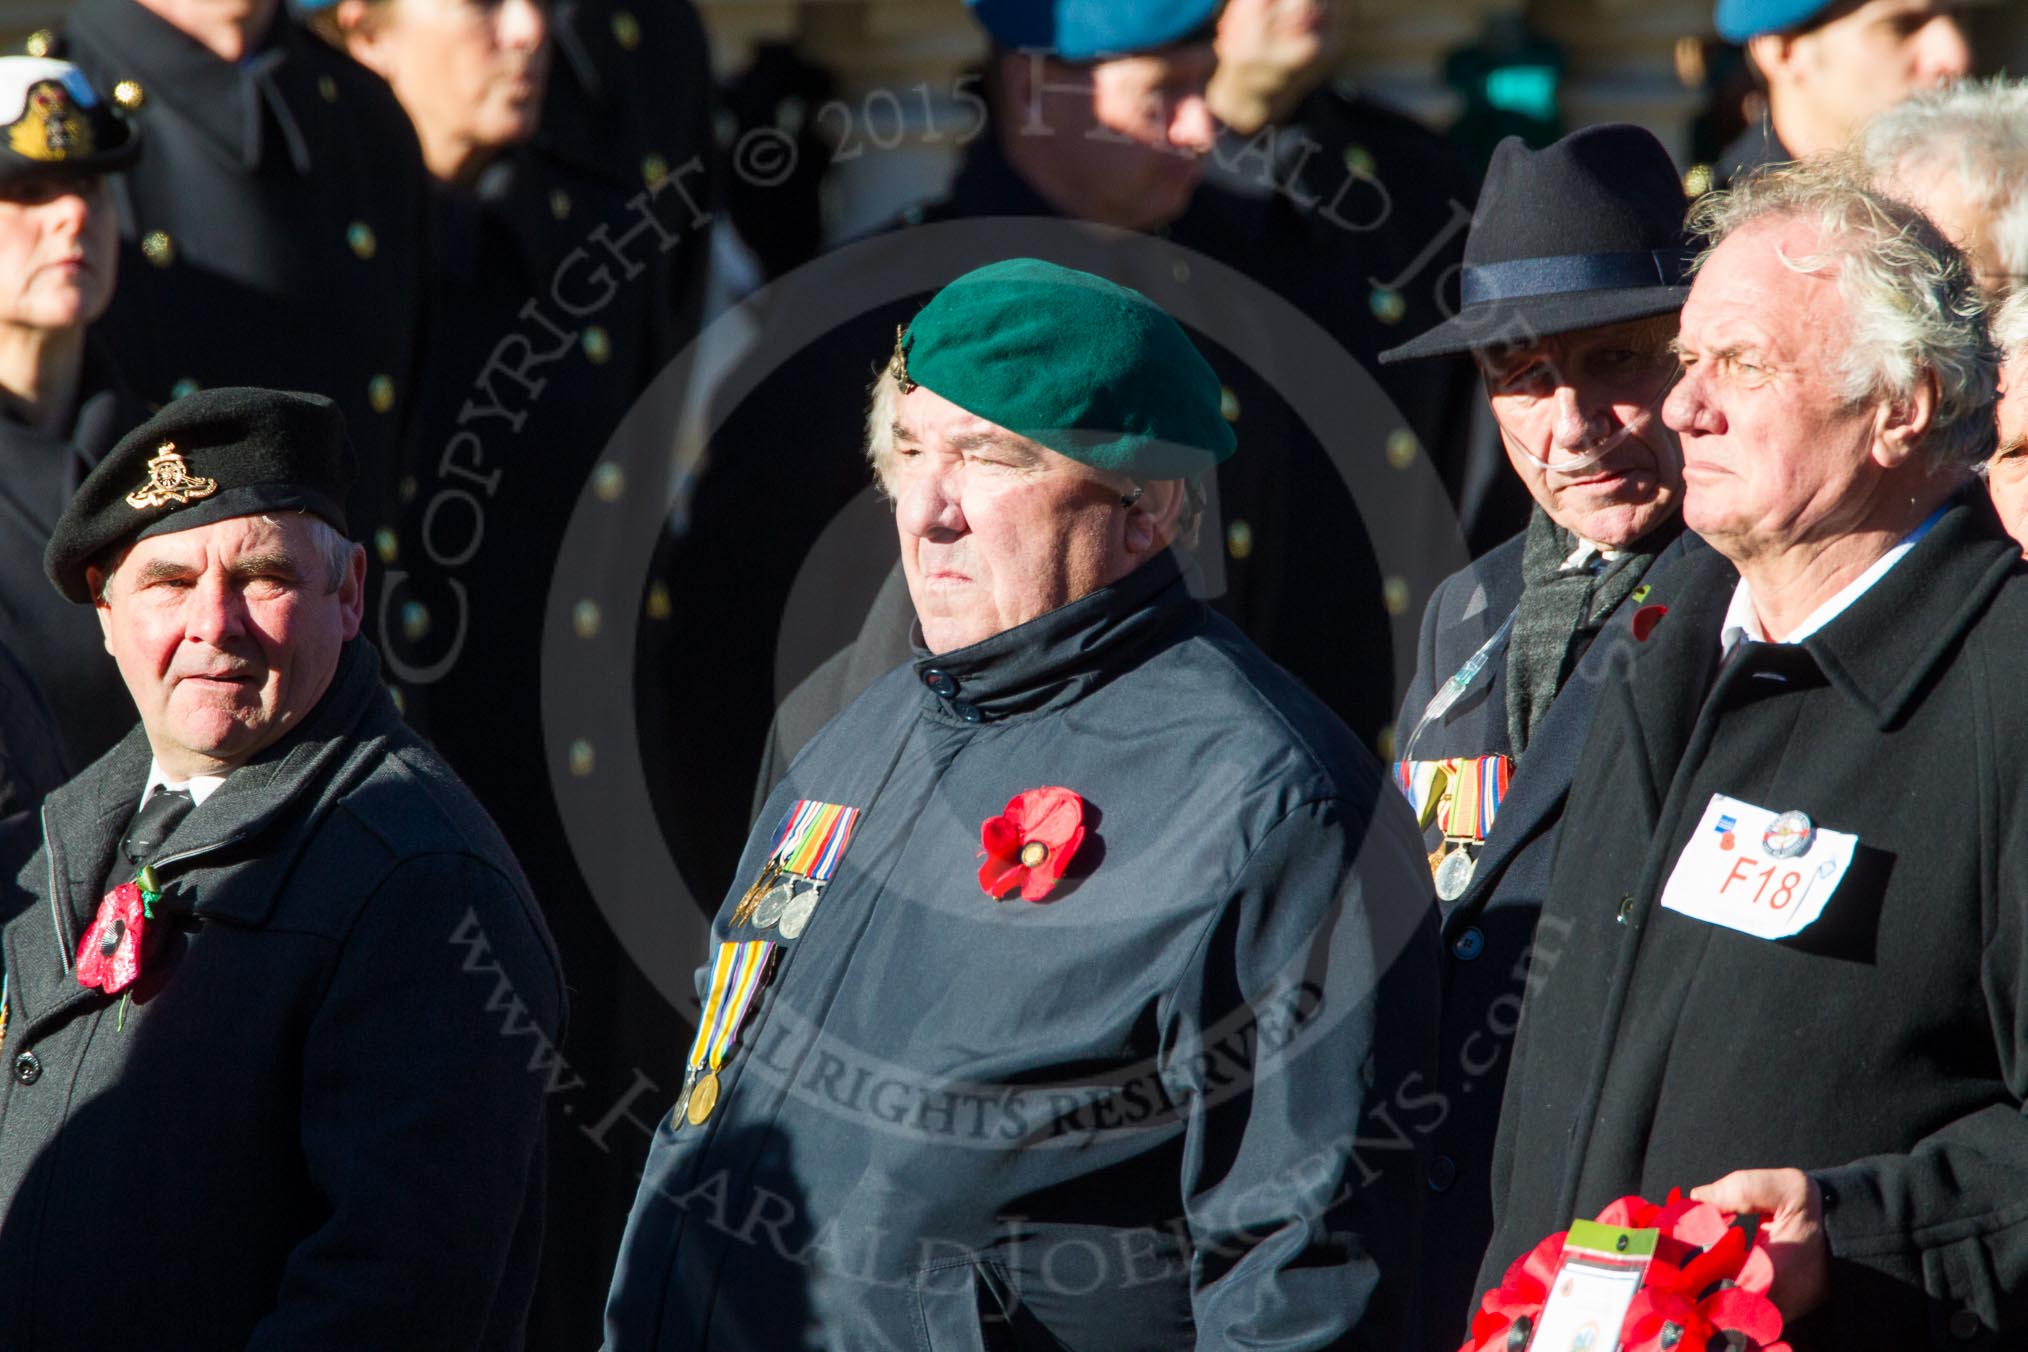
1573,276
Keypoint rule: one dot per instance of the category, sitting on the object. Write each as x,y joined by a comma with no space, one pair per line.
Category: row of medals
778,900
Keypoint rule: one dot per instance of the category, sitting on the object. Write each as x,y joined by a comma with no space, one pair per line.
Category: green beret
1084,366
205,457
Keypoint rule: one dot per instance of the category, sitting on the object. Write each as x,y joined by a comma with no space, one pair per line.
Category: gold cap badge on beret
897,365
52,127
169,480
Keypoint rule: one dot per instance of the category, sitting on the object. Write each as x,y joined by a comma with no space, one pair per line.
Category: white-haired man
1795,968
2007,470
1961,155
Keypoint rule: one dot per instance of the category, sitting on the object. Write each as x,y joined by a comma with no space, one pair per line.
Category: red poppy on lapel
109,955
1645,620
1031,842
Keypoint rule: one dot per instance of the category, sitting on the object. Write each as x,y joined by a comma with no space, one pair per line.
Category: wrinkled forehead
288,534
1760,280
925,420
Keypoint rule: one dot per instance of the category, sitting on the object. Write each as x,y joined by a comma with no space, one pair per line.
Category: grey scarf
1562,610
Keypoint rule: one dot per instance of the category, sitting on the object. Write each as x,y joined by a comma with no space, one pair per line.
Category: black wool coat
316,1119
271,232
1489,930
56,639
1884,1049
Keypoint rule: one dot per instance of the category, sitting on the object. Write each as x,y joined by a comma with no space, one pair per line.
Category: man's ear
95,581
1900,426
362,35
1153,519
352,592
1773,54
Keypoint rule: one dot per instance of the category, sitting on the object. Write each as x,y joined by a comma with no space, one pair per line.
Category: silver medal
796,917
772,905
1454,874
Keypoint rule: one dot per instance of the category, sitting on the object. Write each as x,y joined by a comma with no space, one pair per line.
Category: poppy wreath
1031,842
1704,1291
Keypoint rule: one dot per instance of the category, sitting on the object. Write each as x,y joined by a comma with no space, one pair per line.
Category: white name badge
1762,873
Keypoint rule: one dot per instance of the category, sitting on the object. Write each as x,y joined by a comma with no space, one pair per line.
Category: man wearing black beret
273,998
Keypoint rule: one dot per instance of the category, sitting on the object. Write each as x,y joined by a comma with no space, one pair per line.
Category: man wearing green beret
1092,151
277,1003
1076,988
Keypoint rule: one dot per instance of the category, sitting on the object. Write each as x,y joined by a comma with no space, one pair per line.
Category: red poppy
109,955
1645,620
1030,843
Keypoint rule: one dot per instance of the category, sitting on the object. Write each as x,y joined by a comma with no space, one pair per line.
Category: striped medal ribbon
737,975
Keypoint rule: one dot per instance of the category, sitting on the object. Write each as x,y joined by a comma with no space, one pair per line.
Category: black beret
207,456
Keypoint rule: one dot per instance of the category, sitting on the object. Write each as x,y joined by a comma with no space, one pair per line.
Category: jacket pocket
962,1305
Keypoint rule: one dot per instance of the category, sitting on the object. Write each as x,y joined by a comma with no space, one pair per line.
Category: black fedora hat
1580,234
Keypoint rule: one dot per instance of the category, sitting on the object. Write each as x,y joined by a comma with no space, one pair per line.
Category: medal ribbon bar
737,974
815,837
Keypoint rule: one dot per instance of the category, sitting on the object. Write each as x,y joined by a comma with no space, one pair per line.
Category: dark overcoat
1489,929
271,232
1753,150
54,638
1882,1048
316,1119
1174,1105
1357,214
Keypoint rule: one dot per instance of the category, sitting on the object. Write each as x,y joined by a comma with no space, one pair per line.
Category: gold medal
703,1098
796,918
774,903
751,899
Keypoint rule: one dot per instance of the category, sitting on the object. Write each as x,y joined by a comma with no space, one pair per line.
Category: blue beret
1088,30
1738,20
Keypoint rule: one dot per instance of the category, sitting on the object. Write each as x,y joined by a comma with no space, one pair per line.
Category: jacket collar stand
1057,658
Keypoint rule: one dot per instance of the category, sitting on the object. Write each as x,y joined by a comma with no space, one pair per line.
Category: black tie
153,823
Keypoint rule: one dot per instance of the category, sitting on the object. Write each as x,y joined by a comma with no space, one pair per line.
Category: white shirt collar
1586,551
1742,621
201,787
